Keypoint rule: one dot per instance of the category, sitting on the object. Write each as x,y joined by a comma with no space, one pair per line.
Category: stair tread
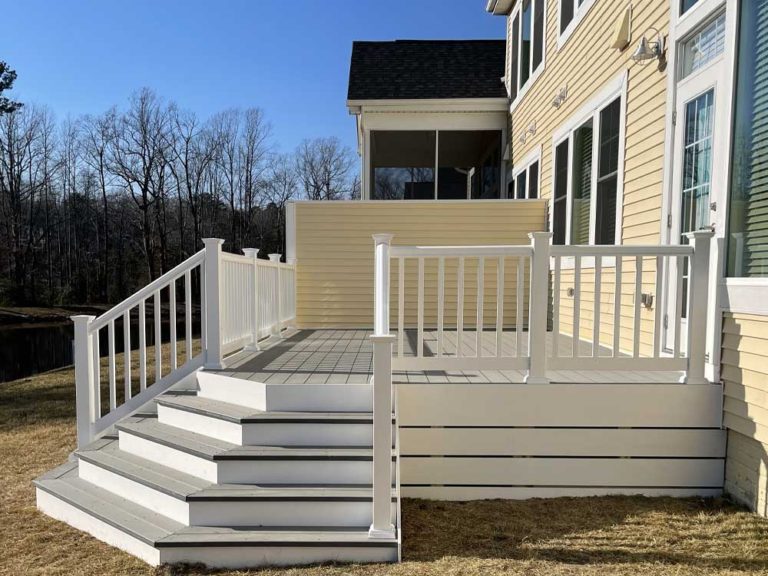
214,449
244,415
139,522
186,487
321,535
162,532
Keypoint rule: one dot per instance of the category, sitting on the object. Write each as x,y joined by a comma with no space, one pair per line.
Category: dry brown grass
595,536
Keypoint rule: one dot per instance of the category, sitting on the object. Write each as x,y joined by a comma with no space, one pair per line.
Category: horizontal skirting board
571,442
572,472
562,405
525,492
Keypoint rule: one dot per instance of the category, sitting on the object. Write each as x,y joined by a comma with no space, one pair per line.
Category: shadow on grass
693,532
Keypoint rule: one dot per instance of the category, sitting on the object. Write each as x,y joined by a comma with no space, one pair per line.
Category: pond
34,347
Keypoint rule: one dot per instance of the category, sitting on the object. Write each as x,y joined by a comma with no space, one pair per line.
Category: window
586,195
704,46
686,5
571,13
526,46
608,173
527,181
748,205
559,202
429,164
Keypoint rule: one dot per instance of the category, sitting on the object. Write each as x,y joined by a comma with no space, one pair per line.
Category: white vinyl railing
227,302
535,264
258,298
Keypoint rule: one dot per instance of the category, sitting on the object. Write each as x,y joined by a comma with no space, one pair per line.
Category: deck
346,356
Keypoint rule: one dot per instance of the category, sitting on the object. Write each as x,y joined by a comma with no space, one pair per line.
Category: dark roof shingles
416,69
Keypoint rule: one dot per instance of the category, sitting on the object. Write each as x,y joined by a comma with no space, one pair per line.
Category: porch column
537,313
213,350
698,289
382,394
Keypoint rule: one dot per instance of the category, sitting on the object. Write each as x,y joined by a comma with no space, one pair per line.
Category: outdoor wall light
649,50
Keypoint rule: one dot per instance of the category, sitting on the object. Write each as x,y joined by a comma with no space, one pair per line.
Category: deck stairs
231,473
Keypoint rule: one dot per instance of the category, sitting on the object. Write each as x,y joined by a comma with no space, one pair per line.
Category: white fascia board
431,105
499,7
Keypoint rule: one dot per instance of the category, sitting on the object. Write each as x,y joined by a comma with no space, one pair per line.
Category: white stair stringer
281,478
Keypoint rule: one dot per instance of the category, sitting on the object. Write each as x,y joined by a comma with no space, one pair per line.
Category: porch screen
748,217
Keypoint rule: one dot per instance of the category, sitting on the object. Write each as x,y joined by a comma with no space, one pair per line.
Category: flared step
156,539
241,425
196,502
223,462
352,397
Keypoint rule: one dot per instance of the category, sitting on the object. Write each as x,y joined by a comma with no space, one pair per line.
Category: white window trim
534,74
525,165
617,88
579,12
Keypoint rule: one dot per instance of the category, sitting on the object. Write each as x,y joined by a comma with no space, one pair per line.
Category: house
564,295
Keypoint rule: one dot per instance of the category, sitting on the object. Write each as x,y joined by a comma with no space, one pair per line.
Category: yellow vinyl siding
585,63
334,251
744,371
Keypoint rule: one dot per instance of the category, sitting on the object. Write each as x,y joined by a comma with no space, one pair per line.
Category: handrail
144,293
456,251
624,250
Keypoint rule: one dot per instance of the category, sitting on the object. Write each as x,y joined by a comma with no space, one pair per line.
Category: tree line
92,208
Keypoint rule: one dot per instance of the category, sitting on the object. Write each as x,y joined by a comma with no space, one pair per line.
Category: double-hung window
526,46
586,178
525,180
571,13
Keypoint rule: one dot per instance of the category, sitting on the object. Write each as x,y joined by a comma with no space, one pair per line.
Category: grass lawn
599,536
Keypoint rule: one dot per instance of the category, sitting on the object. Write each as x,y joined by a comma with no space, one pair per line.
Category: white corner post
253,254
213,356
537,312
382,394
278,328
698,289
85,402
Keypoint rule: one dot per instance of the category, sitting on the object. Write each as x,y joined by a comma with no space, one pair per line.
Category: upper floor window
571,13
686,5
526,46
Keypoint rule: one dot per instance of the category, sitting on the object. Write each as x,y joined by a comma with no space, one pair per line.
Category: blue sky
290,58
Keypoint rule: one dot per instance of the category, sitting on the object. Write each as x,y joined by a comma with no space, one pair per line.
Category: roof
420,69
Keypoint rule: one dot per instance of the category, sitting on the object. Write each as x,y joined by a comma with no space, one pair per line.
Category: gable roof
420,69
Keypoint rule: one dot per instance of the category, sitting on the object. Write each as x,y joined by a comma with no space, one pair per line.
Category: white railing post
279,293
698,287
253,254
537,313
382,394
85,407
213,354
294,292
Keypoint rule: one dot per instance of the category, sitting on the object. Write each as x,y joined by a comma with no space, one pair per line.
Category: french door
697,158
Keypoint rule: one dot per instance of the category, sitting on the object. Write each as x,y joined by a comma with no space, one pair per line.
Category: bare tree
325,169
282,186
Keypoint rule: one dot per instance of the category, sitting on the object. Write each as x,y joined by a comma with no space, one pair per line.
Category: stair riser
60,510
136,492
269,434
282,513
233,557
250,471
234,512
286,397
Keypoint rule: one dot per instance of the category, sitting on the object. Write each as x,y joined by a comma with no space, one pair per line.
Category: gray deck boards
346,357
